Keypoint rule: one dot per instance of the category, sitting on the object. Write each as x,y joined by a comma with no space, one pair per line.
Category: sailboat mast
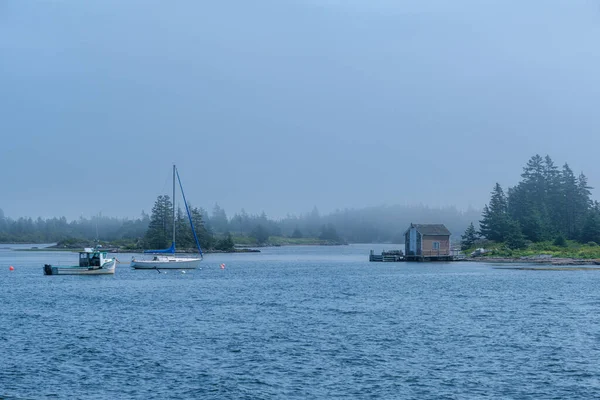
173,205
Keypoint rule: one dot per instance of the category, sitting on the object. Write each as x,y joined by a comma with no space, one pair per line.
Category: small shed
427,241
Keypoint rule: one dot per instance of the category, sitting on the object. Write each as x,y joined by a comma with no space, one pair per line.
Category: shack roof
431,229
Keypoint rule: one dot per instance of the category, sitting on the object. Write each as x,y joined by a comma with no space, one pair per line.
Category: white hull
107,269
167,263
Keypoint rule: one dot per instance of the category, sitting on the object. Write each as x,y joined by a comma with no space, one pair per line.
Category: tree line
217,230
52,230
548,204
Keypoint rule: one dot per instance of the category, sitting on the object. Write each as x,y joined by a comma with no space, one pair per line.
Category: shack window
436,245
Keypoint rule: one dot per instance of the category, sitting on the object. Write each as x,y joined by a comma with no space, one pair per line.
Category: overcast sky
282,105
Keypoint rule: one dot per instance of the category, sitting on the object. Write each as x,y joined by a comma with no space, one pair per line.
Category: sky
284,105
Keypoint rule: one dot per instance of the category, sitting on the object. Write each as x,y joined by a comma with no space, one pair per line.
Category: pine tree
203,233
568,203
160,228
514,237
528,201
260,233
590,231
533,177
185,238
494,225
218,220
583,203
469,237
329,233
553,195
225,244
296,234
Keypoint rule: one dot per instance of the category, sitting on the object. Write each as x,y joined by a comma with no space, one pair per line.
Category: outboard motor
47,269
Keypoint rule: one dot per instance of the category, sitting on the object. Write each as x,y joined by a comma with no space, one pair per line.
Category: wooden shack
427,242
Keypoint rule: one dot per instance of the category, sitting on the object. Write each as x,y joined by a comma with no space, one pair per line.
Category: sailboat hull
166,262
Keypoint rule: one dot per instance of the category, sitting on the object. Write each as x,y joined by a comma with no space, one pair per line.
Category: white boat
166,259
91,262
166,262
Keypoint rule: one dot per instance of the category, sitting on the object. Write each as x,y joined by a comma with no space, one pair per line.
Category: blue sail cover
170,250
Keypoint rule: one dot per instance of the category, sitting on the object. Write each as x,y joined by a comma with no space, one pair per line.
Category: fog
280,106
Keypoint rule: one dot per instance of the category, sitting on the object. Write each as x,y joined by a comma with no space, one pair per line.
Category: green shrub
560,241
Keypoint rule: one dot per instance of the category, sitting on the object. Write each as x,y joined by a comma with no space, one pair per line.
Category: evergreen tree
534,227
225,244
204,235
218,220
469,237
240,222
183,231
185,236
260,233
3,222
160,228
553,195
560,241
514,237
583,202
494,225
568,204
528,201
534,179
549,202
329,233
296,234
591,229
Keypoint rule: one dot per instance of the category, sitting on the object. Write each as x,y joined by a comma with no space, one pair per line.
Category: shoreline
558,261
136,251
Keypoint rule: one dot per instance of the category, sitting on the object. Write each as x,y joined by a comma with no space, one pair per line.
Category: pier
387,256
399,256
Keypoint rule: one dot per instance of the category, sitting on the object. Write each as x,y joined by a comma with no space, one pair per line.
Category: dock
398,256
387,256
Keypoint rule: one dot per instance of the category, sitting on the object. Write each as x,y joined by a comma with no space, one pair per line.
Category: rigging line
189,215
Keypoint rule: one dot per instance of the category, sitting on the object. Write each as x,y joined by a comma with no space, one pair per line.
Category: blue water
301,322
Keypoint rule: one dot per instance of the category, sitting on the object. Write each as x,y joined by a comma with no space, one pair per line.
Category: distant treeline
548,204
215,229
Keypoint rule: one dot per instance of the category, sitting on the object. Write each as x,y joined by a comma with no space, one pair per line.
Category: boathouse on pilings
427,242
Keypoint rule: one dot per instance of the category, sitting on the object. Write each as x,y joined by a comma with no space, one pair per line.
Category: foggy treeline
549,203
381,224
51,230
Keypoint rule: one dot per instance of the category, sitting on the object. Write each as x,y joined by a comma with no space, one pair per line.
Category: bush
560,241
225,244
592,244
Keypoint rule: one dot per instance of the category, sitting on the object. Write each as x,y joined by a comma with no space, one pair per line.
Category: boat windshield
90,259
95,260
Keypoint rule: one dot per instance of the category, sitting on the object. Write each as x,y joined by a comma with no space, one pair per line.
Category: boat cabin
92,258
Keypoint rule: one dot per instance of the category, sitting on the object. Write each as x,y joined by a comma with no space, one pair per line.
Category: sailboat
166,259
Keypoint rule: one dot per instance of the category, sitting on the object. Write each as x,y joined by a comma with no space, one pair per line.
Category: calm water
305,323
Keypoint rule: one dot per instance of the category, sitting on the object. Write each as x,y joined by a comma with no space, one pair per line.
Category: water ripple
292,327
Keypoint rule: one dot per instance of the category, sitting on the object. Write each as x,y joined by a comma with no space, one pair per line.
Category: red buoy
11,268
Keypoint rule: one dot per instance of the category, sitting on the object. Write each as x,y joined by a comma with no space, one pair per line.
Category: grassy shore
571,253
